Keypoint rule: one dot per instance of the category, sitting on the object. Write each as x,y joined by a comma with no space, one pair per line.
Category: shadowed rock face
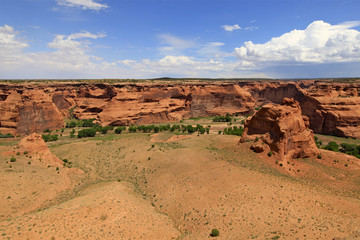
28,111
283,129
332,108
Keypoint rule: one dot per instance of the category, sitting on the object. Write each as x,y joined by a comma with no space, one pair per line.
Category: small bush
50,137
12,159
8,135
222,119
332,146
270,154
119,130
215,233
89,132
318,156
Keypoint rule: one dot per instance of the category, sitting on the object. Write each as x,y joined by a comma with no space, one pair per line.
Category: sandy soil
165,186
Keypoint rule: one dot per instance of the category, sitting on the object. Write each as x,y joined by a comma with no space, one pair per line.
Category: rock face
332,108
283,129
35,146
28,110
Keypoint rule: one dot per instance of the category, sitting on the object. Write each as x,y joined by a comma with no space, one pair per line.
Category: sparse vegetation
50,137
8,135
226,118
215,233
238,131
89,132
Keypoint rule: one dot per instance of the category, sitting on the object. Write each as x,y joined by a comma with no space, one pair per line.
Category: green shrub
89,132
8,135
270,154
319,156
222,119
70,124
47,131
238,131
50,137
12,159
119,130
215,233
332,146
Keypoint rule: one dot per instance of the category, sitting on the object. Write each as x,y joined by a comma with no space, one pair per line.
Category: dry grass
157,186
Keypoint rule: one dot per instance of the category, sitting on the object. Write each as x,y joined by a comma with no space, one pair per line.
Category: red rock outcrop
27,110
37,148
283,129
332,108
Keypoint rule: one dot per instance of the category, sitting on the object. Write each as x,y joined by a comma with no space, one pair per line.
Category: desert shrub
256,139
207,130
190,129
132,129
351,149
119,130
332,146
87,123
318,143
70,124
47,131
319,156
156,129
12,159
270,153
222,119
8,135
215,233
89,132
219,132
238,131
50,137
258,108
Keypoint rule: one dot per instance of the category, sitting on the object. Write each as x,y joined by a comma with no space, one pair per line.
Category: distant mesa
281,129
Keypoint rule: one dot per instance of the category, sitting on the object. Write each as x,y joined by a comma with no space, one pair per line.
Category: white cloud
174,45
9,42
84,4
320,42
231,28
71,58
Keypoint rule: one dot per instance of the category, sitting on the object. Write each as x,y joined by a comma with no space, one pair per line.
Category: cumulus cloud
70,56
231,28
84,4
184,66
319,43
9,42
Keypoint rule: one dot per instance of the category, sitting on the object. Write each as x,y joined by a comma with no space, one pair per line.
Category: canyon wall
332,108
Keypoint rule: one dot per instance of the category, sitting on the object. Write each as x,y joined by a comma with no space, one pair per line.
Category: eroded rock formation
281,129
332,108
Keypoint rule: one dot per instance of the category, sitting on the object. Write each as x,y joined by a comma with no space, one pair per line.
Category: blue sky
179,38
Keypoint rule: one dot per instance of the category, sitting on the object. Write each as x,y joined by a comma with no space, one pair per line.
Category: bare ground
166,186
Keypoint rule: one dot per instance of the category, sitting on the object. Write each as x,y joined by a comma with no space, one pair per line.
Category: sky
92,39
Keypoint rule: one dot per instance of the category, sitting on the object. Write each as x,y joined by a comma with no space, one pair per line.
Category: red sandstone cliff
282,129
332,108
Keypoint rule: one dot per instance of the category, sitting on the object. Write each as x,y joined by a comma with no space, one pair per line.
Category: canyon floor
176,186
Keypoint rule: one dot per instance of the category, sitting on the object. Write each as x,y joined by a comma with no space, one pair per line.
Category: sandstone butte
281,129
331,107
